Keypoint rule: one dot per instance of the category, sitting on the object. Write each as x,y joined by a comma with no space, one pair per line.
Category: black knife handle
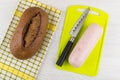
64,53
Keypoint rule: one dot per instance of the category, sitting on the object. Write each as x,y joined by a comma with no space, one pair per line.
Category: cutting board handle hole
91,12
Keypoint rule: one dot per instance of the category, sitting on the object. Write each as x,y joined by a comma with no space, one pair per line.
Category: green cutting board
90,67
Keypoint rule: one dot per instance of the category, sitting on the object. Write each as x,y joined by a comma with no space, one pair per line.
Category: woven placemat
14,69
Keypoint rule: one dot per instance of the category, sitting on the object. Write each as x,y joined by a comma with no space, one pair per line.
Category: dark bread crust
29,34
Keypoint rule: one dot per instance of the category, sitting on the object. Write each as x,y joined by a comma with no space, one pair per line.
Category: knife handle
64,53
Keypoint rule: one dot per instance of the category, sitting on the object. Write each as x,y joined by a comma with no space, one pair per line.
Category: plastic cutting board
90,67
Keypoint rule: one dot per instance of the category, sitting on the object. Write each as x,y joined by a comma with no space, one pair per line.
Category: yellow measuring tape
15,72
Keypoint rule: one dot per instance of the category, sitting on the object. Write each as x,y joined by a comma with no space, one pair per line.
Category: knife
74,32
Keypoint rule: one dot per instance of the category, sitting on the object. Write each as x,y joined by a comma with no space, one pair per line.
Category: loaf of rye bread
29,34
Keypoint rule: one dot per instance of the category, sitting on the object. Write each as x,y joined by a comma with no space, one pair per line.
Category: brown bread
29,34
